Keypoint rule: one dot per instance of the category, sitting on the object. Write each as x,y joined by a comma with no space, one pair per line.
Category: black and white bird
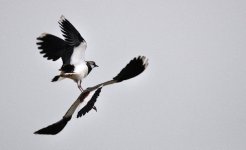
135,67
71,50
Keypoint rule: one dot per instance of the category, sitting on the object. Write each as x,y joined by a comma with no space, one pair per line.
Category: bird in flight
71,50
135,67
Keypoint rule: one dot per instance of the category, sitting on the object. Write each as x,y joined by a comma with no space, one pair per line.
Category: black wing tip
144,59
42,36
62,19
135,67
69,31
40,40
56,78
61,22
49,45
54,128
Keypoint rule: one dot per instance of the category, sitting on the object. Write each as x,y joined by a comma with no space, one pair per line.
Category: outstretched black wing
72,36
59,125
54,48
54,128
136,66
132,69
88,107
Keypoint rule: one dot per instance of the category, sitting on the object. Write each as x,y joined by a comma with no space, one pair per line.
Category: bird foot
80,88
94,107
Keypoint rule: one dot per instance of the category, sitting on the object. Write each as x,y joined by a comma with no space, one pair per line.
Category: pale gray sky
191,97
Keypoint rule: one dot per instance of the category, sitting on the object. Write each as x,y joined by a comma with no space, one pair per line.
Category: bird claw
94,107
81,90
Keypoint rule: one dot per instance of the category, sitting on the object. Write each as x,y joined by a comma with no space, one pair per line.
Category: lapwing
135,67
71,50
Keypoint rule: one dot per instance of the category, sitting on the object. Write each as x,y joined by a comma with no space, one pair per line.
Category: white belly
80,72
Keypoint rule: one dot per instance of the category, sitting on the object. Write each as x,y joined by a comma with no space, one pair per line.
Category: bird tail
57,78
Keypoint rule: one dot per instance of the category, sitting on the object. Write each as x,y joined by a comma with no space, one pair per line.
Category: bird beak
96,65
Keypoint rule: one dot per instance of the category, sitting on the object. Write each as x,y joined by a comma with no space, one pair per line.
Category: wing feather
74,39
54,48
72,36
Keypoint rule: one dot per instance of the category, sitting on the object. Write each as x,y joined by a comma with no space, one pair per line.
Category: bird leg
79,86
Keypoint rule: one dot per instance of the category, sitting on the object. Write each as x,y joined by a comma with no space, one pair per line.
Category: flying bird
135,67
71,50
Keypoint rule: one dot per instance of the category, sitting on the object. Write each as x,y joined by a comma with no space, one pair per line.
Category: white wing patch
78,55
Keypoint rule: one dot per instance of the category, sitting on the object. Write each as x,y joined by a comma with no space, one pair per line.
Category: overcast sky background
191,97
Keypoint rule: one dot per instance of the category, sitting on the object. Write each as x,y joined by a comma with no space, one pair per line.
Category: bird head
92,64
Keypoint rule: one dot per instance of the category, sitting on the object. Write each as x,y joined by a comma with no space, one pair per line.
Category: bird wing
90,104
73,38
135,67
54,48
139,63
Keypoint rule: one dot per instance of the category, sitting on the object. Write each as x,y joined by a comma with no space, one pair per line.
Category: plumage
132,69
91,65
54,128
54,48
71,50
72,36
90,104
67,68
135,66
